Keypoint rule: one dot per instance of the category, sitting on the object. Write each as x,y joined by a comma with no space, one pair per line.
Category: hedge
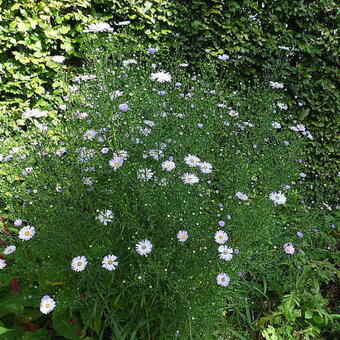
295,39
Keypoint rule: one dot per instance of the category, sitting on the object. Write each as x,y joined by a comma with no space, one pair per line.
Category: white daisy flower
82,115
282,106
149,122
26,233
276,85
241,196
289,248
276,125
189,178
73,88
221,237
36,113
301,127
26,171
248,124
89,134
87,181
85,77
192,161
116,162
226,253
144,131
105,217
47,304
144,174
121,154
168,165
116,94
61,151
232,112
278,198
129,62
18,223
123,23
223,279
205,167
79,263
3,264
98,27
58,59
223,57
182,235
109,262
144,247
161,76
10,250
156,154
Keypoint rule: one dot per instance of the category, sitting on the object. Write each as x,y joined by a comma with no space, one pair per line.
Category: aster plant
162,201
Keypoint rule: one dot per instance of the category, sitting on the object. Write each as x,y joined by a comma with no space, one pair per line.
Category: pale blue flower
124,107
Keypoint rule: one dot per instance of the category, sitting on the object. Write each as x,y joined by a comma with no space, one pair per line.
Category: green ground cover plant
165,204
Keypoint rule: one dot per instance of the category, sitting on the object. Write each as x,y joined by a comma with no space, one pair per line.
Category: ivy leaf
308,314
4,330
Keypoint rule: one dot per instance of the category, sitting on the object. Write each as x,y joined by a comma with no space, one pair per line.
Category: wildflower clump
163,188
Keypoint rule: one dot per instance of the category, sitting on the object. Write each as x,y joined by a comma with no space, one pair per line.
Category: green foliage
302,314
62,186
31,33
304,307
249,31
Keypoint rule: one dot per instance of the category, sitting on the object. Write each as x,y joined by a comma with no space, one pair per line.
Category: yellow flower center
79,263
27,233
110,262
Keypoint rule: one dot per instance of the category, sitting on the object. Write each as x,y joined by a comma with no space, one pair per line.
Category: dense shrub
125,153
